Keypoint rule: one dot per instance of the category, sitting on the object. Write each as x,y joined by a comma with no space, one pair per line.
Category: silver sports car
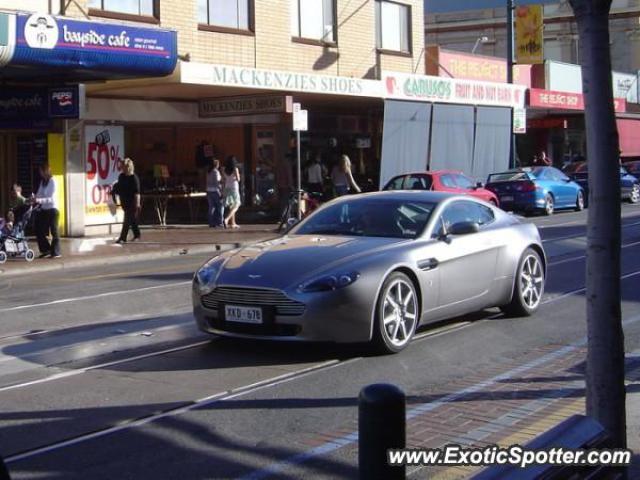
372,268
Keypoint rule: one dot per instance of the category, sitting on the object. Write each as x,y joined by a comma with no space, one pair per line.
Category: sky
438,6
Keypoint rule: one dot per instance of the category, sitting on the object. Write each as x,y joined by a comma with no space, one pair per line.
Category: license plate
235,313
506,198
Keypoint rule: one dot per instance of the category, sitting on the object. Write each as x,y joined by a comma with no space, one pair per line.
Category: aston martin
373,268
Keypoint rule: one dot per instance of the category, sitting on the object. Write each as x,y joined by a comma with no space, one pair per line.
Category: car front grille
257,297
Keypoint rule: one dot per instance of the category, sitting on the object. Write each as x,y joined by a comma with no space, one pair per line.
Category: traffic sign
300,120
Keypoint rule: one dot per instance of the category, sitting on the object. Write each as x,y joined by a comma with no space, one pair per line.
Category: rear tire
549,205
634,196
528,286
397,314
29,255
580,201
3,257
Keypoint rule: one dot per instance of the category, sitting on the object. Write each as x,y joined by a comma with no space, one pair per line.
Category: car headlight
329,282
207,274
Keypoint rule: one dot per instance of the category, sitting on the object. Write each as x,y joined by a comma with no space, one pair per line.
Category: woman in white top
48,215
342,178
231,191
214,194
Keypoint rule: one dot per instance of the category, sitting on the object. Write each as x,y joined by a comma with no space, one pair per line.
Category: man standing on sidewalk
48,216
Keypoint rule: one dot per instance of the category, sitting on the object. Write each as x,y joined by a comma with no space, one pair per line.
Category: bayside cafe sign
426,88
244,77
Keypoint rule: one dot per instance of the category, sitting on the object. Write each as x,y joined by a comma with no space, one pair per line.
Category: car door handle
428,264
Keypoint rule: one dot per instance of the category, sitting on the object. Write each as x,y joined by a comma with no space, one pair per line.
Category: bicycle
289,216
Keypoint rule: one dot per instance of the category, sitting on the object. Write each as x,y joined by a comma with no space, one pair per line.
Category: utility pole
512,146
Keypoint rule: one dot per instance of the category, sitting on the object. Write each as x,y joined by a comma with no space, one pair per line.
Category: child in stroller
13,242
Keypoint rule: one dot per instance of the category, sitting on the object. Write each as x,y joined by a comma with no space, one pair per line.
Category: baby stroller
13,242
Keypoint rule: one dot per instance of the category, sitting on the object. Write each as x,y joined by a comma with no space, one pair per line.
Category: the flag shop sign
452,90
243,105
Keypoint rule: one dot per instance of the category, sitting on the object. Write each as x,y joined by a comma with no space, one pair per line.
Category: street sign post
300,123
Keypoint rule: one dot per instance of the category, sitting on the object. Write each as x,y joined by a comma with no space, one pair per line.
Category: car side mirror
567,180
479,185
464,228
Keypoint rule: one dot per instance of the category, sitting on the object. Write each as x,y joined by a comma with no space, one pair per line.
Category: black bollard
381,426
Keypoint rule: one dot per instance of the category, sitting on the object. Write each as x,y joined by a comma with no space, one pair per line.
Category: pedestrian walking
315,175
232,200
214,195
127,188
48,215
342,178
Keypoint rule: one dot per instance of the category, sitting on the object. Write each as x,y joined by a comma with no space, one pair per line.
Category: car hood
288,260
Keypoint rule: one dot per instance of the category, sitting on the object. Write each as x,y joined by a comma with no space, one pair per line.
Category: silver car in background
372,268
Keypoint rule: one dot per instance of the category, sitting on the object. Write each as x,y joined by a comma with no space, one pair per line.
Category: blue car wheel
549,205
580,201
634,196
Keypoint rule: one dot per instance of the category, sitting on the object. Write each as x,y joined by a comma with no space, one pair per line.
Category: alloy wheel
399,313
548,205
635,194
531,281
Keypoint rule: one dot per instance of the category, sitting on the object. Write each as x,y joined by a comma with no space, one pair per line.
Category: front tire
549,205
634,196
580,201
528,286
3,257
397,314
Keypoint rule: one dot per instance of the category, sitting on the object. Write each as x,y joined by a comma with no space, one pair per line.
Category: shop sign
104,160
39,103
565,100
243,106
548,123
404,86
625,86
109,49
529,34
519,120
477,67
244,77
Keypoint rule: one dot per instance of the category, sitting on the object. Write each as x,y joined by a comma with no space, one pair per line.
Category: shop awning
43,47
629,133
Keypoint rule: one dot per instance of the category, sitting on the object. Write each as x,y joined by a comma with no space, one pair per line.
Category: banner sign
529,34
19,104
519,120
403,86
242,106
625,86
111,50
244,77
104,161
565,100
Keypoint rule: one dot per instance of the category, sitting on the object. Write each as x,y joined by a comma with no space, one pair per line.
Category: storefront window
392,26
145,8
232,14
313,19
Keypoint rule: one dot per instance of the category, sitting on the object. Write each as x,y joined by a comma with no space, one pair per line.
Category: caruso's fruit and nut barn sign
452,90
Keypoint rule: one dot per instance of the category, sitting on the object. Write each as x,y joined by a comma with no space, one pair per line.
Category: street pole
512,146
299,175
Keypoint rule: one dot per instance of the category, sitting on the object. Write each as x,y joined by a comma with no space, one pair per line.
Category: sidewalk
156,243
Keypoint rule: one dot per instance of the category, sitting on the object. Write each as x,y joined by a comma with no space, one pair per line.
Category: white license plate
235,313
506,198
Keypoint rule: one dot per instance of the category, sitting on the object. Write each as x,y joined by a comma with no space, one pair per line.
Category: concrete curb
71,263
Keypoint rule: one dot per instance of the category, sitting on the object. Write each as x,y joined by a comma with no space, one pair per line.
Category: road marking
202,402
89,297
583,235
582,257
72,373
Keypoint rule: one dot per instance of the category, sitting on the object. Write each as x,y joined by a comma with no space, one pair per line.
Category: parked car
450,181
629,185
574,167
372,268
633,167
533,189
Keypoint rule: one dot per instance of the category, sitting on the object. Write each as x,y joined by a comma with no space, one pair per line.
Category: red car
441,181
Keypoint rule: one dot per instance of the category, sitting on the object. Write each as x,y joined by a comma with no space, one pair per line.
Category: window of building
142,8
393,22
225,14
313,20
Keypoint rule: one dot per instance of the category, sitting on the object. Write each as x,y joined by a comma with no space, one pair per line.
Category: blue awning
44,47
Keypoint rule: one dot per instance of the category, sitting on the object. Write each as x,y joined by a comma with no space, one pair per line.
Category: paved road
102,374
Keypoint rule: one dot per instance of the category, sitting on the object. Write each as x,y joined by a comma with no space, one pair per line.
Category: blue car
629,185
536,189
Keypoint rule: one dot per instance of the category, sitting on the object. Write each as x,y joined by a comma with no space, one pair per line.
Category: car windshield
508,176
367,217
